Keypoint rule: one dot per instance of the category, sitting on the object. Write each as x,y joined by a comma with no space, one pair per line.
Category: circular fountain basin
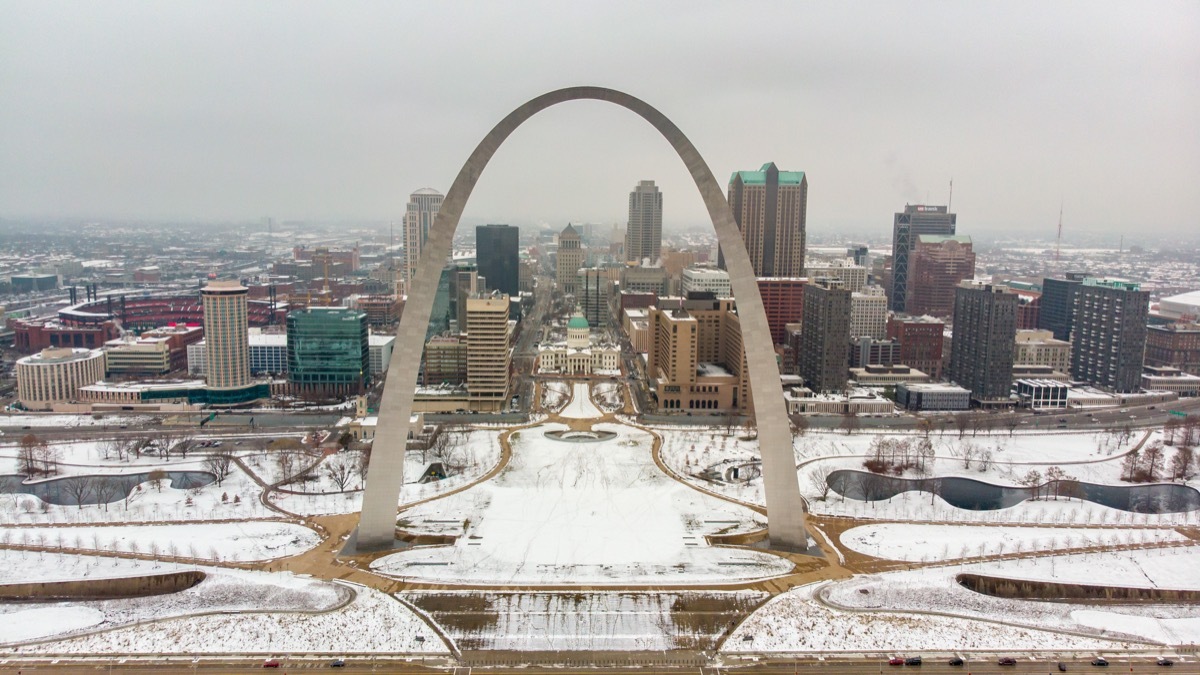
571,436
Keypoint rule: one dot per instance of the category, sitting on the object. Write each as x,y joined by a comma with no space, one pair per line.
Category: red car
895,661
1007,661
272,663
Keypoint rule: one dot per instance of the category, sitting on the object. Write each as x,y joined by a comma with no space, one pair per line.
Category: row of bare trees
1150,464
36,457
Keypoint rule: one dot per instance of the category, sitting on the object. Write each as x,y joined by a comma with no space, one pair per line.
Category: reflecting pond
976,495
86,490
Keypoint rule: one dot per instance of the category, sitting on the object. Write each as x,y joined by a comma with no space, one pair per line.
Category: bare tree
962,422
1182,462
107,491
219,463
1152,460
1054,478
818,480
79,488
1012,421
1033,481
850,423
800,425
339,470
286,461
157,477
363,463
27,458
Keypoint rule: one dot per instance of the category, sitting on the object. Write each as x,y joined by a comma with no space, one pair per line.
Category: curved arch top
785,508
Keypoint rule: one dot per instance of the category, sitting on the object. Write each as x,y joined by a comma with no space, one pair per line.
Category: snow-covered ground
581,407
796,622
223,590
373,622
240,541
554,395
929,542
935,590
35,421
581,513
609,395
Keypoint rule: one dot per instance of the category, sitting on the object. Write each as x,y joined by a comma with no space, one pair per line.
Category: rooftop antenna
950,201
1058,239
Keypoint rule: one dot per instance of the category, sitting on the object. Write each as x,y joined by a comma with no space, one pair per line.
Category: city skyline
171,122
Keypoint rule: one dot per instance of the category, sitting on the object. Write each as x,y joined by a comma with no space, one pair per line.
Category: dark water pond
975,495
85,490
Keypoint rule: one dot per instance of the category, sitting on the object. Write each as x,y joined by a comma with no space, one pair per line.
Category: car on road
270,663
337,663
1100,661
1164,661
912,661
895,661
1006,661
956,661
1062,667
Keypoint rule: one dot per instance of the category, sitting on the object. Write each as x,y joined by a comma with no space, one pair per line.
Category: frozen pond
975,495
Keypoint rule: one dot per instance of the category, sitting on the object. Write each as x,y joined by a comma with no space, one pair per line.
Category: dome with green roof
577,321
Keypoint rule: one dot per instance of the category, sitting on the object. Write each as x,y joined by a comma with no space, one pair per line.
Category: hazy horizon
230,112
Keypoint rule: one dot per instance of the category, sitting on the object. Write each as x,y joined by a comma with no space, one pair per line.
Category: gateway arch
377,523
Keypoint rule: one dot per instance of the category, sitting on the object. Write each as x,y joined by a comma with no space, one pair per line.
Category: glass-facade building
328,351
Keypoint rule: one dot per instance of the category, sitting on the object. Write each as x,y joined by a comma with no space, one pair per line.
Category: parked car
1007,661
1062,667
895,661
912,661
337,663
956,661
1100,661
1164,661
270,663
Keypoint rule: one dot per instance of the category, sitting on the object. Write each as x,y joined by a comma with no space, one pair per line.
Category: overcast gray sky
234,110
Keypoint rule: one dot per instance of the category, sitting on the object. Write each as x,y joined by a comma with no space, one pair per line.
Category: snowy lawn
796,622
610,395
222,590
244,542
581,406
554,395
926,542
373,622
581,513
935,590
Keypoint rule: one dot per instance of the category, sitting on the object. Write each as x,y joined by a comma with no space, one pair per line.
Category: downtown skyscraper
906,227
771,209
423,206
643,235
497,255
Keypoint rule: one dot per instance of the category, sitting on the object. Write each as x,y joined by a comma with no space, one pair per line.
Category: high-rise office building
868,313
1057,305
921,341
593,293
983,347
496,254
328,352
706,280
643,236
936,265
568,260
1175,345
852,277
915,220
1108,341
423,206
771,209
489,352
226,333
783,303
823,358
695,358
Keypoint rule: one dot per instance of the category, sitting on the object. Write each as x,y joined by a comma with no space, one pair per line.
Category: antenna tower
950,201
1058,239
